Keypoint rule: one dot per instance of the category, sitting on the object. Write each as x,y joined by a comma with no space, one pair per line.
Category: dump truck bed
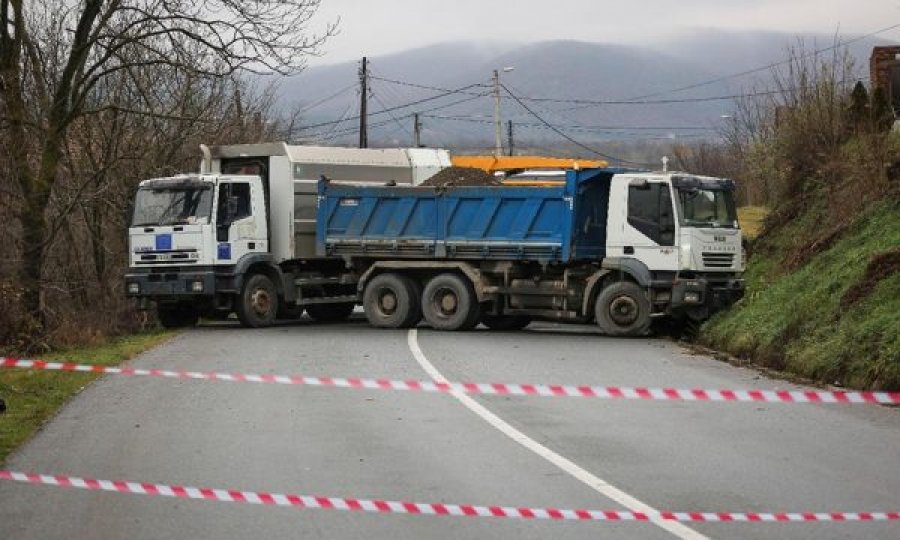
484,223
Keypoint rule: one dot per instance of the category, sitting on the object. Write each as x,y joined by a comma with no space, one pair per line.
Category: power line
578,101
424,86
404,106
599,128
327,99
566,135
768,66
385,122
394,118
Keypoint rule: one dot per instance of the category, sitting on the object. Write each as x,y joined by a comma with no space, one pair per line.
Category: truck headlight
197,286
134,288
692,297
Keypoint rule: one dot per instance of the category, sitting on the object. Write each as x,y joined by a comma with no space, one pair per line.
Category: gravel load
461,176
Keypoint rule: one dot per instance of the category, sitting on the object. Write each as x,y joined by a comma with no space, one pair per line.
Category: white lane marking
597,484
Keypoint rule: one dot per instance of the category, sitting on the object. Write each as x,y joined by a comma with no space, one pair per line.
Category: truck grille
167,257
718,260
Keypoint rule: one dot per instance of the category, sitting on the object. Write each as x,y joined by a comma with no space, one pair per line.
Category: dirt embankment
461,176
881,266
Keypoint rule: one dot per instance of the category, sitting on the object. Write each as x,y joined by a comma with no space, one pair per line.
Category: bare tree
61,61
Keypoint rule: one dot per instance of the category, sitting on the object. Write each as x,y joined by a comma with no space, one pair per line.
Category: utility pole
364,95
509,137
498,142
498,123
417,131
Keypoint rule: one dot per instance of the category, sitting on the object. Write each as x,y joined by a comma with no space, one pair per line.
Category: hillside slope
836,318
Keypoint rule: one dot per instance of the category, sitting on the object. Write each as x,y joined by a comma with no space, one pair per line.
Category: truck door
650,225
240,219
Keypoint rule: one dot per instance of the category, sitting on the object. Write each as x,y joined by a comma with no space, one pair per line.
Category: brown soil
881,266
461,176
804,254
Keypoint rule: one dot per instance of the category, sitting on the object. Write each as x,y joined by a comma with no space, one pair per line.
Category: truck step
328,300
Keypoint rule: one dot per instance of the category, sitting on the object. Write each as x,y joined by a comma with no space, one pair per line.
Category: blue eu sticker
225,250
163,242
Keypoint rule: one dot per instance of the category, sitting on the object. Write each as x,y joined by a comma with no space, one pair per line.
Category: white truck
196,239
269,231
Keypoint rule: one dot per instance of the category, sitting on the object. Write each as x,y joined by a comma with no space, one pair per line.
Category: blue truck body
549,225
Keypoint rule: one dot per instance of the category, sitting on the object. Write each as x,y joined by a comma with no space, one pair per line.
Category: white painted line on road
594,482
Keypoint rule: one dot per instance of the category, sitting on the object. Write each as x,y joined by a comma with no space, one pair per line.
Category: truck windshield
707,208
185,205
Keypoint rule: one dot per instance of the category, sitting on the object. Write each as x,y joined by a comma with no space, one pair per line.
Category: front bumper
162,283
713,295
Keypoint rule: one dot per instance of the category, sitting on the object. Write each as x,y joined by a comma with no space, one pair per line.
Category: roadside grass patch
835,319
32,397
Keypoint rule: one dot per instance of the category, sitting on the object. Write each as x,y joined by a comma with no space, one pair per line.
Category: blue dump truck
607,245
258,234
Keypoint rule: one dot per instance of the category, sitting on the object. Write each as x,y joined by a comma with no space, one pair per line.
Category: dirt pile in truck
461,176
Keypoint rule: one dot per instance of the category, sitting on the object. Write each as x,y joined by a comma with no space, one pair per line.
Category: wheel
415,314
391,301
258,303
623,309
176,315
505,322
330,312
449,303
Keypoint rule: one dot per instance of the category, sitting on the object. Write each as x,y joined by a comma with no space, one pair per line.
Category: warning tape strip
439,509
501,389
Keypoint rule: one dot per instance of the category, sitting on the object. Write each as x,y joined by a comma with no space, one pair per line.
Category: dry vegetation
97,95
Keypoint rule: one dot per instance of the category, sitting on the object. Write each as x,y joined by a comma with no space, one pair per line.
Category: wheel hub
388,302
261,301
623,310
449,303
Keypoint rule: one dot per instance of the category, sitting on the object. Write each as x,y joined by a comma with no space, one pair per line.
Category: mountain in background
563,70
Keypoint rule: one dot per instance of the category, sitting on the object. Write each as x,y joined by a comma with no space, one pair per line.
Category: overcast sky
377,27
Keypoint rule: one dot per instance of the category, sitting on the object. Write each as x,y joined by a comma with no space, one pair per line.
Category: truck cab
681,233
187,235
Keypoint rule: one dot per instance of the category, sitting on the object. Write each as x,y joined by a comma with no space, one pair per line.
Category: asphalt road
537,452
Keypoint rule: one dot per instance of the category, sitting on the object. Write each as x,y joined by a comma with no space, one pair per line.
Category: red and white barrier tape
501,389
439,509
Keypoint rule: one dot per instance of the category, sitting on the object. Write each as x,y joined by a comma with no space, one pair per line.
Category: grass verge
32,397
835,319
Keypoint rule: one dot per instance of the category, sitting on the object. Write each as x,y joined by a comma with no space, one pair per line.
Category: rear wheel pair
447,302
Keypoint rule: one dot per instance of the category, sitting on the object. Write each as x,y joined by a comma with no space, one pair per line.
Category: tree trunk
34,225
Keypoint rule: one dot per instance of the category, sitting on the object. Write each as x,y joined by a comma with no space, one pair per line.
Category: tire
415,314
505,322
391,301
257,305
449,303
623,309
176,315
326,313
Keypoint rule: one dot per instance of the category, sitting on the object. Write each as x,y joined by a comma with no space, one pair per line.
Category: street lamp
498,125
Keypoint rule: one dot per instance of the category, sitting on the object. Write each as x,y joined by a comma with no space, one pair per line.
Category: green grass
32,397
795,321
751,220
